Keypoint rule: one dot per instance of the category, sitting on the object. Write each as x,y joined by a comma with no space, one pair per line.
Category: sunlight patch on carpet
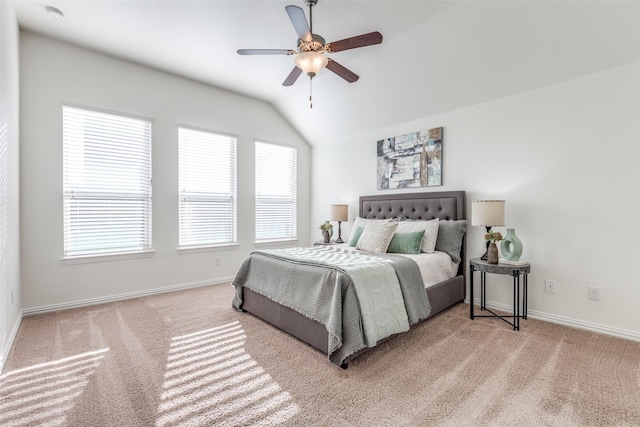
210,379
42,394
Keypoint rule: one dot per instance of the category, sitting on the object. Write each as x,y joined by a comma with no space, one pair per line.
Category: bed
445,208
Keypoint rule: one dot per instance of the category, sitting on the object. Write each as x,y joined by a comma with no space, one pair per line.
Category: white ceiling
436,56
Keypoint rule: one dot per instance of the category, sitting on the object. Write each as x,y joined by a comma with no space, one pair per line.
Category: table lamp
339,213
487,213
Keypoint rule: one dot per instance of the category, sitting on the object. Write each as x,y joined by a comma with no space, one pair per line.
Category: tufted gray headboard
446,205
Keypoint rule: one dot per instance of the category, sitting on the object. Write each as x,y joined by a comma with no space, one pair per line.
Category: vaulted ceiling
436,56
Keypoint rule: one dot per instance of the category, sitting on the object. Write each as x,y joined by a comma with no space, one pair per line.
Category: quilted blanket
360,298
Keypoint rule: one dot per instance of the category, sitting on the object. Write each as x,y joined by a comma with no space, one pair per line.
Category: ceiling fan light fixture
310,56
311,62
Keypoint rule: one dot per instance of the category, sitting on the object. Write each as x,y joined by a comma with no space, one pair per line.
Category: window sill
186,250
87,259
271,243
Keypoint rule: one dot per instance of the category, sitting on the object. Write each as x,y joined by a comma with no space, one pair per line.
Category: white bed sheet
434,268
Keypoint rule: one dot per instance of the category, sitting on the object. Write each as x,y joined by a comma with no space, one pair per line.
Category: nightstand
514,270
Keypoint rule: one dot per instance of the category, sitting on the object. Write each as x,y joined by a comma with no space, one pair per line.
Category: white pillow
376,236
360,222
430,232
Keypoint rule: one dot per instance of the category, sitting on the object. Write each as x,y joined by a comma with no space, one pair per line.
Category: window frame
75,187
293,187
184,247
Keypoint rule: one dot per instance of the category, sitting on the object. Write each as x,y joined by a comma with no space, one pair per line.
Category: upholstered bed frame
448,205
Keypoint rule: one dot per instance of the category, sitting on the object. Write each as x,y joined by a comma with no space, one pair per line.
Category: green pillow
406,243
356,236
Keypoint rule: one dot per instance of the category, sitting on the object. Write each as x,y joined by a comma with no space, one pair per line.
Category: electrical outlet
594,293
550,286
217,262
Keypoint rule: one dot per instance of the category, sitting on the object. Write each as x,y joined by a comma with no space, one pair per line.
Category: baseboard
10,339
120,297
567,321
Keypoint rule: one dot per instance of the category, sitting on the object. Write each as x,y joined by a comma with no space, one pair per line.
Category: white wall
565,159
53,72
10,314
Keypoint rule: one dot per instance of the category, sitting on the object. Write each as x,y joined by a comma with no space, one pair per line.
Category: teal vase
511,246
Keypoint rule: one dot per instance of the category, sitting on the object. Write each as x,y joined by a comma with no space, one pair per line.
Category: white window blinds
107,183
276,192
207,184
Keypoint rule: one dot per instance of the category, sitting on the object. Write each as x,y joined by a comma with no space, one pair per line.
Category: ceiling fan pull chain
310,92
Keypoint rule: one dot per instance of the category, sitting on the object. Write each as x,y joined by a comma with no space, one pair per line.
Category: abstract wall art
411,160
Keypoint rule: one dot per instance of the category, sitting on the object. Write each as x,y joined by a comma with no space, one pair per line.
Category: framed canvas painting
411,160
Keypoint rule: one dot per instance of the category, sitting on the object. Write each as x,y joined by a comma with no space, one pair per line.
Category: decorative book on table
504,261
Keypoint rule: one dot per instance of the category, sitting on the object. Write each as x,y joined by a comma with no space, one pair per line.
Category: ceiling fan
310,57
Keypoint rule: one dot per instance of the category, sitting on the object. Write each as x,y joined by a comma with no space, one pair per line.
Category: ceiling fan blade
354,42
343,72
292,77
266,52
299,21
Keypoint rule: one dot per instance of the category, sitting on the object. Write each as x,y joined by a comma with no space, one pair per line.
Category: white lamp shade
487,213
311,62
339,213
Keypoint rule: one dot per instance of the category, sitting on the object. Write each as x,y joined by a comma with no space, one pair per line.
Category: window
107,183
207,188
276,199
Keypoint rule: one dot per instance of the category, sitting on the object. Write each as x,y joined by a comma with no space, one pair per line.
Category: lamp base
339,239
486,251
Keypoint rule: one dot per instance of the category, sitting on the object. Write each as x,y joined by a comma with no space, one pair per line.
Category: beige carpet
186,358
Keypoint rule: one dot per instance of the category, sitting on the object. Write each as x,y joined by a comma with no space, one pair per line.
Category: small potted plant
327,231
492,251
